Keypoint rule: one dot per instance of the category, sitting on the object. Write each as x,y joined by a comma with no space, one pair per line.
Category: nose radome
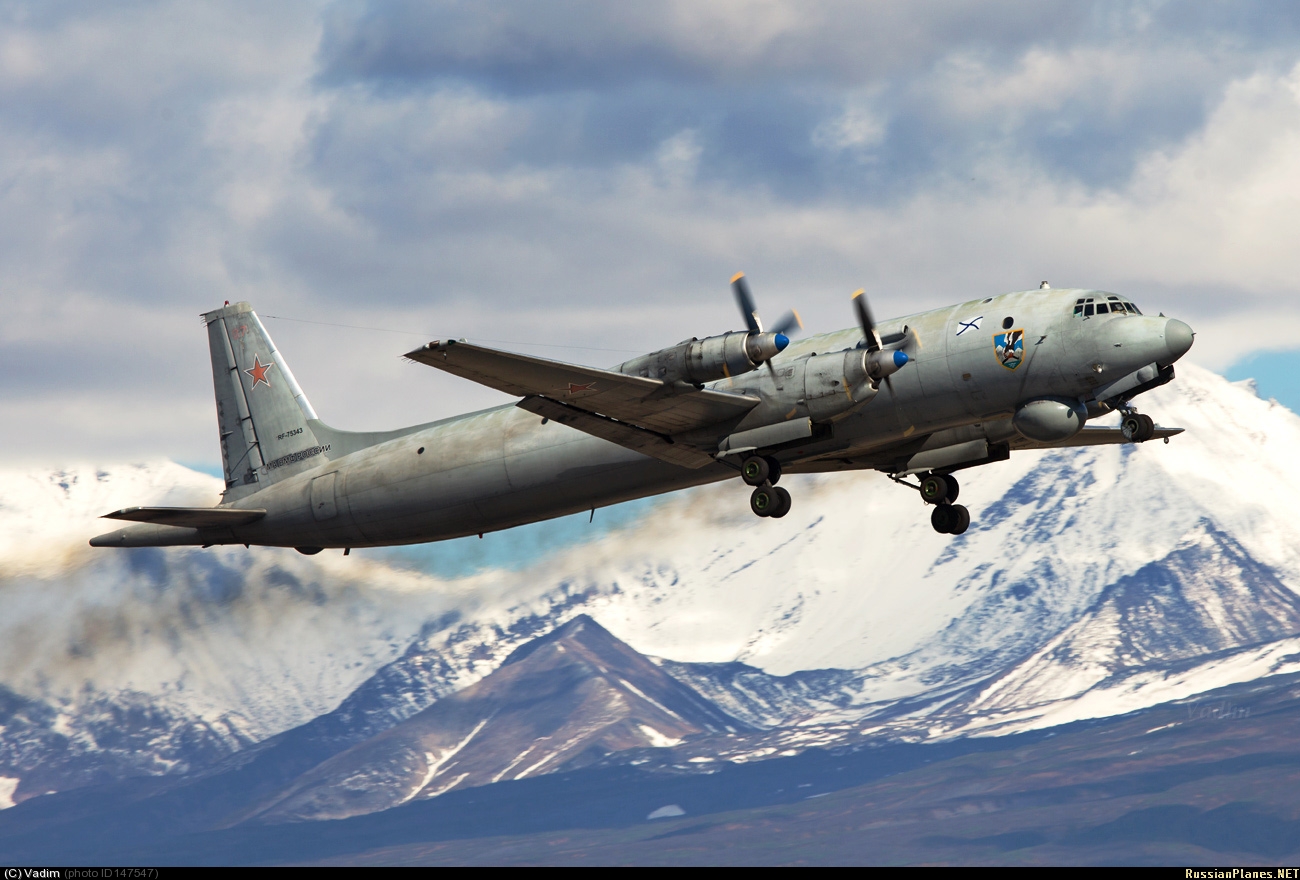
1178,338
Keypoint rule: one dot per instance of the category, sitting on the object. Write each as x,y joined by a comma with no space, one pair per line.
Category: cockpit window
1086,307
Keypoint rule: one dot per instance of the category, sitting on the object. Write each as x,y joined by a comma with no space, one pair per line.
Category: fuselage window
1087,310
1078,309
1134,309
1102,309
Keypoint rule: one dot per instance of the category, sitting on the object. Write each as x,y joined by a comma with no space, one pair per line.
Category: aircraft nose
1178,338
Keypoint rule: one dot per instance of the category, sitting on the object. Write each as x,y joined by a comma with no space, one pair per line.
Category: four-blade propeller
765,344
745,299
880,364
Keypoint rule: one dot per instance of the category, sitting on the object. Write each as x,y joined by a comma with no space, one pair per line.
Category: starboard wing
1094,436
633,411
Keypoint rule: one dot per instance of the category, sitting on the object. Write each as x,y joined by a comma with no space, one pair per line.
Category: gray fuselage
504,467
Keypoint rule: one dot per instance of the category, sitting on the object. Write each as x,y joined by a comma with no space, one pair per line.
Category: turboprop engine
835,383
697,361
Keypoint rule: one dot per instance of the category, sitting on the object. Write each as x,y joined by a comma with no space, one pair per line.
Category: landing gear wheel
943,519
756,470
936,489
950,519
953,488
783,503
1138,428
764,500
1148,428
963,519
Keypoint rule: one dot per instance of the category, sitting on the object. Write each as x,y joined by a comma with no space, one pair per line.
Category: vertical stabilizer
262,413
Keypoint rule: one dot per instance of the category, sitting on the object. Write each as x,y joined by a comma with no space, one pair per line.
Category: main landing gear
767,499
941,490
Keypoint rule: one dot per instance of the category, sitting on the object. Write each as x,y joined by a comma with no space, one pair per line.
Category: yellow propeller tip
857,293
737,277
798,320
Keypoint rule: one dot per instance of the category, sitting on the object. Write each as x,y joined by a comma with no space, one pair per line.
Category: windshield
1086,307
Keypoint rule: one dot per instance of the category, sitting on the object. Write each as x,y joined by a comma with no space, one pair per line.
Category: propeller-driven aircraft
920,397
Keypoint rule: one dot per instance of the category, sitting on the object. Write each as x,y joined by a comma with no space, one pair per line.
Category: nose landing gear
948,518
767,499
1137,427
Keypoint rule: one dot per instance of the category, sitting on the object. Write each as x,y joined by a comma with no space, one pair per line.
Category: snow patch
8,785
667,812
657,739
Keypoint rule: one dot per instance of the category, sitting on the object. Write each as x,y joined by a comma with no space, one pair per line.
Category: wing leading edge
633,411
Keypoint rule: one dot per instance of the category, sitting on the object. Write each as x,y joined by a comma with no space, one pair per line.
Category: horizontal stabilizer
188,517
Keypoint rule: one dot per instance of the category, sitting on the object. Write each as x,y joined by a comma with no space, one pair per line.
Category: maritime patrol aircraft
920,397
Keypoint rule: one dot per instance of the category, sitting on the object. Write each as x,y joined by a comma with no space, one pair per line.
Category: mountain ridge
850,615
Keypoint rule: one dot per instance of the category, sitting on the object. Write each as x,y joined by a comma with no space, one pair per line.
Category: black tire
934,489
943,518
953,488
755,470
1148,429
763,501
783,505
1132,427
963,519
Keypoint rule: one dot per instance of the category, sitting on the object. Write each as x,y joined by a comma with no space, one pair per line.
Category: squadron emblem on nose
1010,348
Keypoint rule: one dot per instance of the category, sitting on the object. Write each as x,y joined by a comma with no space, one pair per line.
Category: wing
633,411
1094,436
912,457
188,517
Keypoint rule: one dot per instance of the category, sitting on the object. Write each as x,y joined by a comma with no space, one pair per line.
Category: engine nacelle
836,383
697,361
1049,419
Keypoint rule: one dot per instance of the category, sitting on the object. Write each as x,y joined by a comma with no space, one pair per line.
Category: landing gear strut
941,491
767,499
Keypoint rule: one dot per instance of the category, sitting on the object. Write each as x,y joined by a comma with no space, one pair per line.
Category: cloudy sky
581,179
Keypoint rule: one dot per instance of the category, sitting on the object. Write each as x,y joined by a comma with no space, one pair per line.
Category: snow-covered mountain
855,583
1090,581
158,661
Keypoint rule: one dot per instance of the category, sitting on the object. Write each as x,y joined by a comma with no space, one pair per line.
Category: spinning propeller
764,345
880,364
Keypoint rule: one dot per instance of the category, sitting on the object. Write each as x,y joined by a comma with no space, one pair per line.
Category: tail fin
263,414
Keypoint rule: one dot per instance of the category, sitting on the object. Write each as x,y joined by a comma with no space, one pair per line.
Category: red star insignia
259,372
574,389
